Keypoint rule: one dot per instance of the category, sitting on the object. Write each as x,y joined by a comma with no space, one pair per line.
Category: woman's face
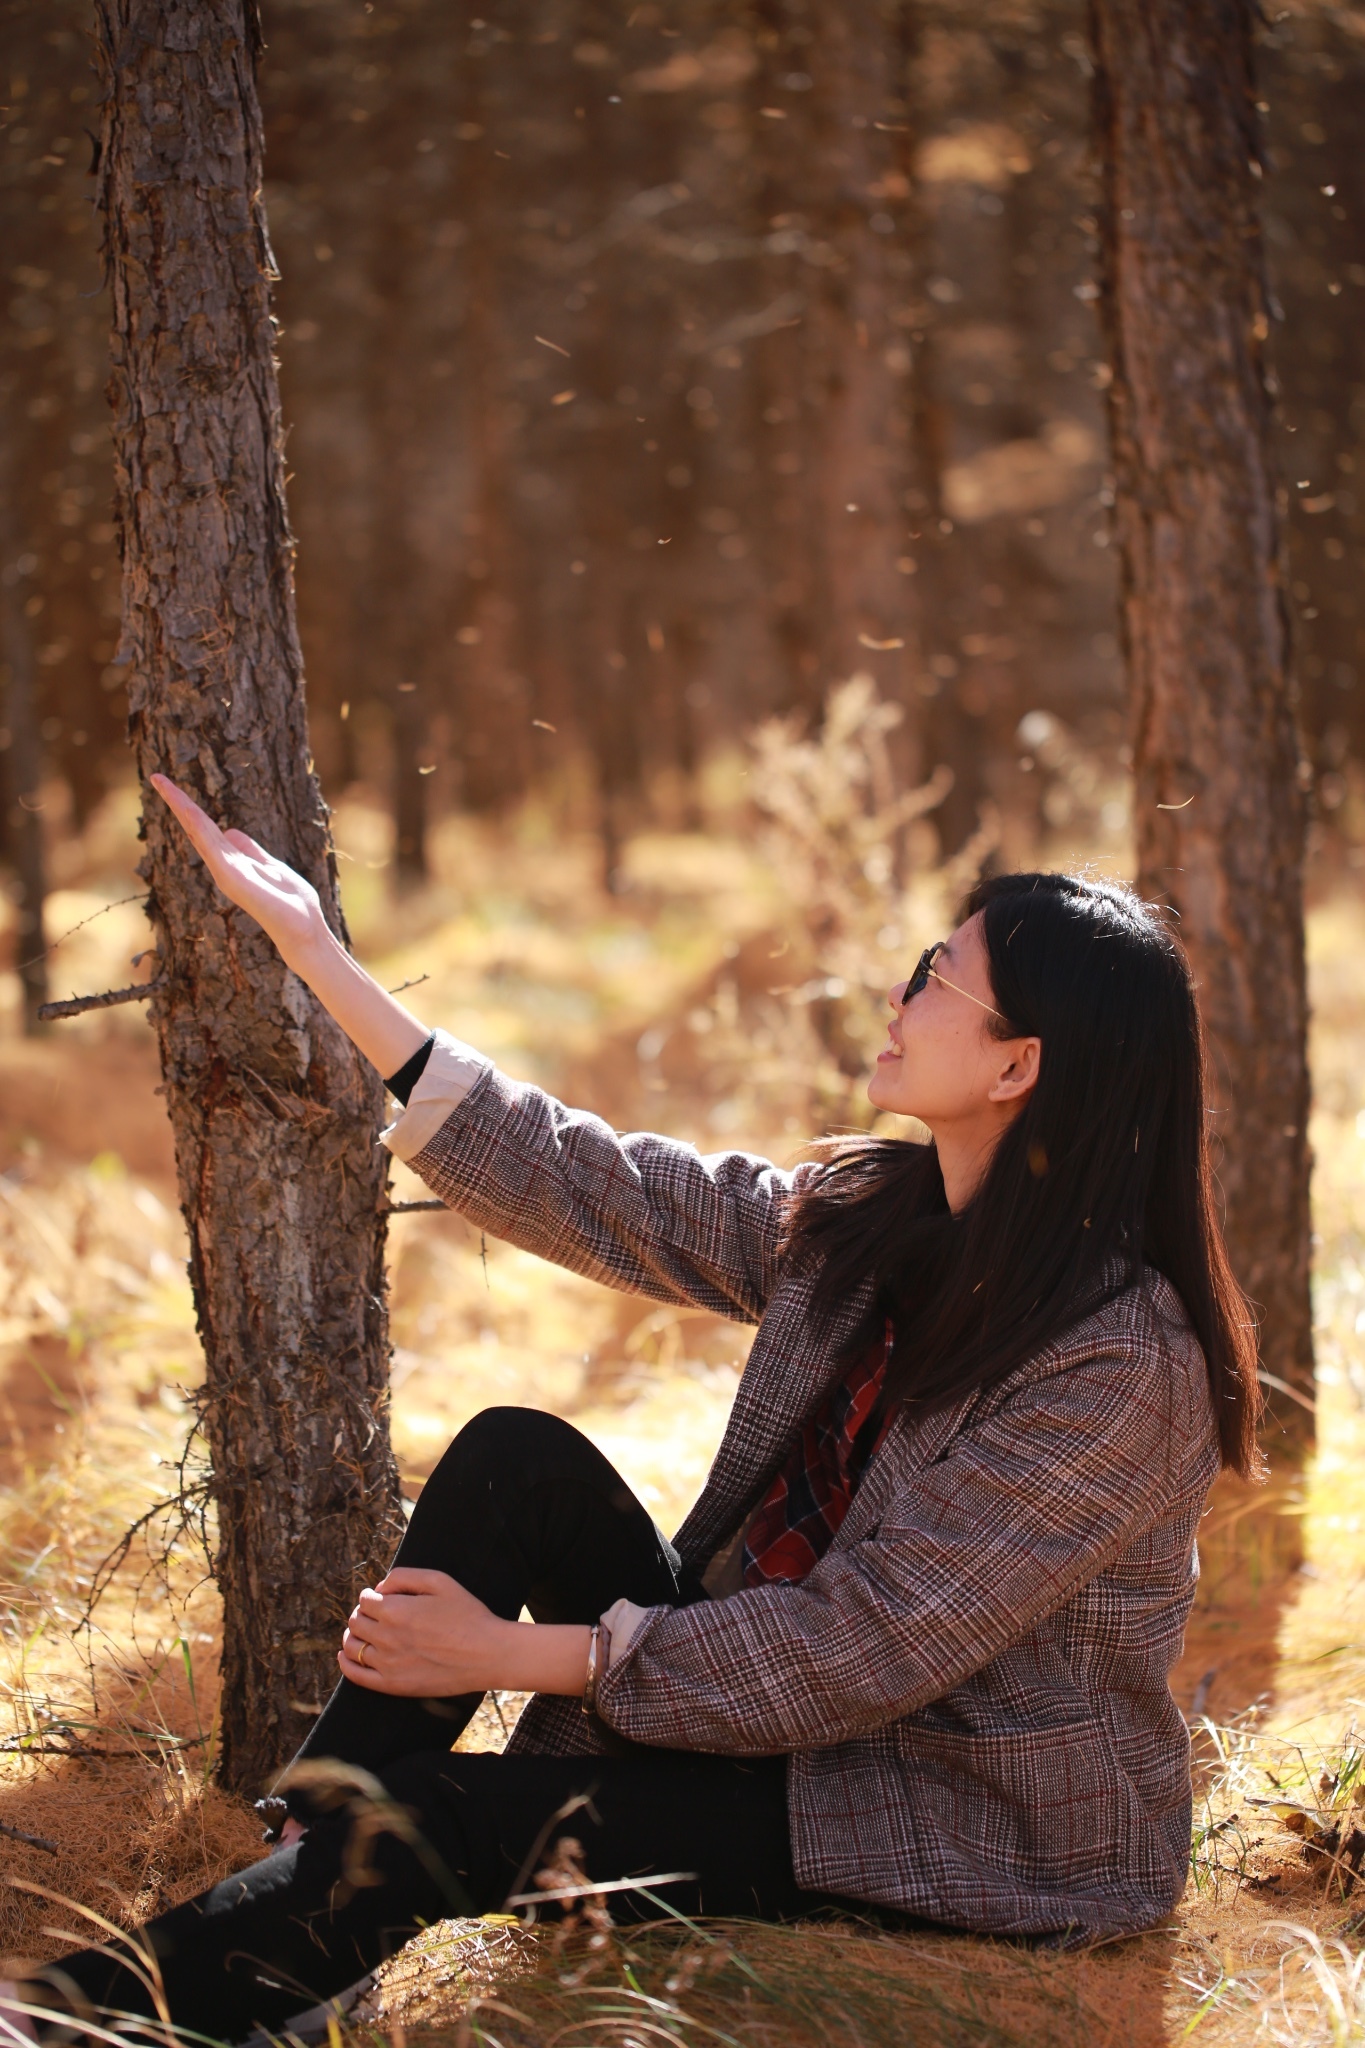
942,1062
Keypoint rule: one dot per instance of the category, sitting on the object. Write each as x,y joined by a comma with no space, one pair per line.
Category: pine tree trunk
1220,809
22,762
274,1113
832,392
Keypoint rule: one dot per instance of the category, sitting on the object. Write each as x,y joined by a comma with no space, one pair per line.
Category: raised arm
642,1213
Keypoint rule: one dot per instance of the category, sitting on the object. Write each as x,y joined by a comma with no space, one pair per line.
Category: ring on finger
360,1655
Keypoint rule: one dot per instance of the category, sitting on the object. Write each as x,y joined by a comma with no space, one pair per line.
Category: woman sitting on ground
910,1650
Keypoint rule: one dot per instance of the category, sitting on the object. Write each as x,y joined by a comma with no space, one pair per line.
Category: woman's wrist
382,1028
541,1656
312,951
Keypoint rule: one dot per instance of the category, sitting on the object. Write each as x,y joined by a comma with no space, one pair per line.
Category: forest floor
655,1004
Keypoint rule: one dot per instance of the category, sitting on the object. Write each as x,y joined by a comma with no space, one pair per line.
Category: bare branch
74,1006
34,1841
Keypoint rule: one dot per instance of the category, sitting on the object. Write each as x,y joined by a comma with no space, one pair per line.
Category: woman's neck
964,1153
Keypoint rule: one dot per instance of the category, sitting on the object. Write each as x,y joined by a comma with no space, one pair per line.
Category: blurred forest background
617,424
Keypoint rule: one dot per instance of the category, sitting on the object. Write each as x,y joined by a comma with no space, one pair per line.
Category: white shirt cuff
451,1070
622,1622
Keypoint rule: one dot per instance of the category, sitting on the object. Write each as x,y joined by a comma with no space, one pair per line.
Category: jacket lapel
906,1449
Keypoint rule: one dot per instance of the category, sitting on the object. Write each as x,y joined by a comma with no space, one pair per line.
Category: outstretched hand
283,903
288,911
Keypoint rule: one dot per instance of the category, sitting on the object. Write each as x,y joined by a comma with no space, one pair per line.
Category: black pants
524,1512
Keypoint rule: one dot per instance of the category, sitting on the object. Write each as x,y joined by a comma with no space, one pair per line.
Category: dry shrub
780,1037
841,837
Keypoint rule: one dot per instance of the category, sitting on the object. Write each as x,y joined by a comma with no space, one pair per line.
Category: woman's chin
881,1089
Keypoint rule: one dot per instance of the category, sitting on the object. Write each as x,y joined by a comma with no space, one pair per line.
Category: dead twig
33,1841
75,1006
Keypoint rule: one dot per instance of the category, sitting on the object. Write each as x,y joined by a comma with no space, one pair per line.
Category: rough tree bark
1220,805
274,1113
22,764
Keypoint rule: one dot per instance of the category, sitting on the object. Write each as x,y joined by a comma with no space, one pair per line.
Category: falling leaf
878,646
543,725
551,344
563,398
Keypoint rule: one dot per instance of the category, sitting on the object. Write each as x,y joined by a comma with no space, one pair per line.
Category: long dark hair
1104,1173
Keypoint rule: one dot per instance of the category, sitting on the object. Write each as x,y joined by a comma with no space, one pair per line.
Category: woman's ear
1018,1076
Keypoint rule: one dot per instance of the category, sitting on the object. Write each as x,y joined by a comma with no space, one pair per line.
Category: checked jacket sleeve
972,1551
643,1213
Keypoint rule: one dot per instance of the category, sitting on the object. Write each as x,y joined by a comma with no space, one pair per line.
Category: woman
911,1647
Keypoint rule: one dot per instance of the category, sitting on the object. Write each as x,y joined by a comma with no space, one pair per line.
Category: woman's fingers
197,823
282,903
208,838
360,1674
409,1578
208,841
359,1655
244,843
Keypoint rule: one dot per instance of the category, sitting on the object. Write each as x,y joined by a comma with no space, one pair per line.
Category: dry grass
700,1001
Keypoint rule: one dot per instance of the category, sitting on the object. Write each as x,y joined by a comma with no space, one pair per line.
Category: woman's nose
896,997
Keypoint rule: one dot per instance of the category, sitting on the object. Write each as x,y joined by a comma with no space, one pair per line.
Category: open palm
282,903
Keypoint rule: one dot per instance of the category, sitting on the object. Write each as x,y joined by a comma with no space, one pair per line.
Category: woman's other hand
284,905
421,1634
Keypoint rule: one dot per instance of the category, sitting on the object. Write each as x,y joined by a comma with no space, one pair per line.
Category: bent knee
503,1441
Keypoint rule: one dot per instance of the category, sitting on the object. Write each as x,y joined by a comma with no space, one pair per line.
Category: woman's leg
454,1835
524,1512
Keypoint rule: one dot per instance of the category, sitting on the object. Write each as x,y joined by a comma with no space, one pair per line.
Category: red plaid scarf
796,1520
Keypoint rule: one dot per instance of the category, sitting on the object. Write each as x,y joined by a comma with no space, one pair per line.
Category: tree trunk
274,1113
23,764
834,209
1220,808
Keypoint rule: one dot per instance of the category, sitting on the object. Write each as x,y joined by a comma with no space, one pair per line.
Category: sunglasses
919,981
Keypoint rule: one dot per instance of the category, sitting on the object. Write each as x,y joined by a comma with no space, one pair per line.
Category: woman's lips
891,1051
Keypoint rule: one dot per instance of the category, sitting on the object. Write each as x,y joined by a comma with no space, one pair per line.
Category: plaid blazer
972,1685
